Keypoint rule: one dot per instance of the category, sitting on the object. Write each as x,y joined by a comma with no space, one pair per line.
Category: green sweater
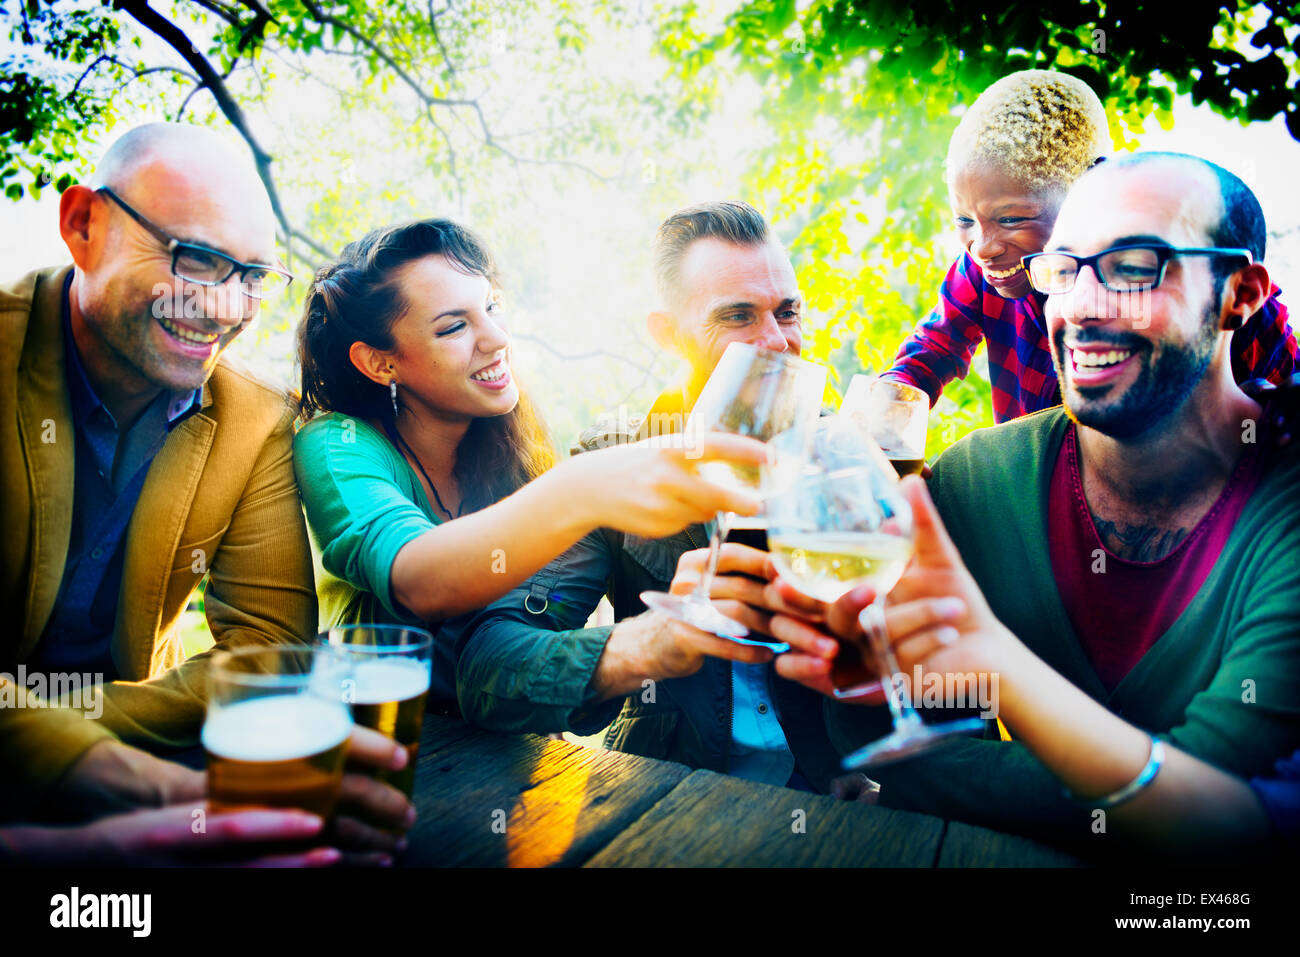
363,503
1223,683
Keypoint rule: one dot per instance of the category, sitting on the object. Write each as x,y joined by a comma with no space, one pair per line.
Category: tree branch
261,17
313,245
297,70
650,370
28,39
174,37
260,11
451,160
574,357
136,72
224,12
431,101
425,97
433,28
186,102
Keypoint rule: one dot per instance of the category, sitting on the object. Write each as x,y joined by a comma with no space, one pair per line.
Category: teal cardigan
1223,683
363,503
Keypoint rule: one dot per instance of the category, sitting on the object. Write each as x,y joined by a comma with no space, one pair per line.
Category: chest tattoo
1138,543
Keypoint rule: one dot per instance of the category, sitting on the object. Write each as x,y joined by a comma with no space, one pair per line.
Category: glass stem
890,674
720,529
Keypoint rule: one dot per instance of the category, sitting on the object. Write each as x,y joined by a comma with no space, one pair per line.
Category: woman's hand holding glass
654,488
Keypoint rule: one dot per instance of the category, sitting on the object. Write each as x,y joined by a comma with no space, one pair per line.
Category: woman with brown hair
425,474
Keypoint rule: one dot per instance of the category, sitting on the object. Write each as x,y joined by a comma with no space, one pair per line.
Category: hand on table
115,783
855,786
112,777
184,835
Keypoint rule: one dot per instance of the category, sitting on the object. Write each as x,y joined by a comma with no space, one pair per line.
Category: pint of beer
275,735
387,684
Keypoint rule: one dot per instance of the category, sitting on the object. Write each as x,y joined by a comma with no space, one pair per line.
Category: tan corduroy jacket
220,497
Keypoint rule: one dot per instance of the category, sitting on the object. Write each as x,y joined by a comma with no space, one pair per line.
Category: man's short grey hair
733,222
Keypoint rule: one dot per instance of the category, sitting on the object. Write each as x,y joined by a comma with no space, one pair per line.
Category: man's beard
1160,389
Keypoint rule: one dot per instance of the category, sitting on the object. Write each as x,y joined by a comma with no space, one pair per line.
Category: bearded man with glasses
136,460
1127,565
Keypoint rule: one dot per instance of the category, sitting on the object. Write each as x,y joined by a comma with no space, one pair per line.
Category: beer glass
758,393
841,523
895,415
386,684
276,733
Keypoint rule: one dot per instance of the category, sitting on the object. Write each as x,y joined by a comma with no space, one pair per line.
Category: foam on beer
276,728
386,679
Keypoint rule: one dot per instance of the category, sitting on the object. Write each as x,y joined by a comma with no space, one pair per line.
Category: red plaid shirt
1020,357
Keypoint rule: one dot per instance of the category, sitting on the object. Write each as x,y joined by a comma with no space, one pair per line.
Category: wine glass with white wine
841,523
761,394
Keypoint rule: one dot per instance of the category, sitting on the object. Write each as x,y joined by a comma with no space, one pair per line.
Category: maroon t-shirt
1118,614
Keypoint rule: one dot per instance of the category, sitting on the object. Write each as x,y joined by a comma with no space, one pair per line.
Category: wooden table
492,800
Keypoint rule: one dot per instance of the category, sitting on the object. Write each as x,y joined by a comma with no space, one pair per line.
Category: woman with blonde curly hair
1012,158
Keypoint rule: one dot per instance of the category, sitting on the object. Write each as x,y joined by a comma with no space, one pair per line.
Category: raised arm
373,535
940,347
1064,735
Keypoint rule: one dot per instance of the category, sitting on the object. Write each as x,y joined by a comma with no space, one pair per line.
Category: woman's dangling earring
392,393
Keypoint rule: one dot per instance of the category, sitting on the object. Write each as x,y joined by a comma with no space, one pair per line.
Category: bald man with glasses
1127,566
137,461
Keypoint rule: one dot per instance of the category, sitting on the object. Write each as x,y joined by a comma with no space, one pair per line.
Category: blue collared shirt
759,751
109,472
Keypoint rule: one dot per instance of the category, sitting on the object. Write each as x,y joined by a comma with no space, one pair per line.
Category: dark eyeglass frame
1163,255
178,247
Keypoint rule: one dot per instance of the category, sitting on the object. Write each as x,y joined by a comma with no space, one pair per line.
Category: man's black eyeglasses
209,267
1119,269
